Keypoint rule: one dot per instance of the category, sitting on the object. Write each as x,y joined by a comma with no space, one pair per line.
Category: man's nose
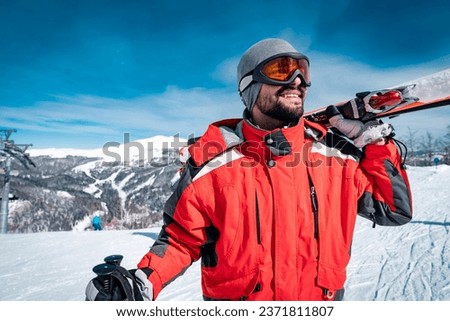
296,82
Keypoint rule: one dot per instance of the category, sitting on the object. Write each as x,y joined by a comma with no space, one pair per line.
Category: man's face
284,103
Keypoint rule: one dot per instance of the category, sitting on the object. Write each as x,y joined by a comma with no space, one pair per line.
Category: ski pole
103,272
115,259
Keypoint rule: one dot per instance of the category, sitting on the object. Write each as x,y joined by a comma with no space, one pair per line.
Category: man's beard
285,114
280,111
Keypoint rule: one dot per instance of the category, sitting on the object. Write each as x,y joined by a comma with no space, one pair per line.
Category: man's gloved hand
97,291
144,285
373,132
119,284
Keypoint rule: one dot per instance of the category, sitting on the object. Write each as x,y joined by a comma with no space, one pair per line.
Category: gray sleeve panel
379,212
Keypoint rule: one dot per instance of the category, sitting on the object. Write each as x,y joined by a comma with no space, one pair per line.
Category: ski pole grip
103,272
115,259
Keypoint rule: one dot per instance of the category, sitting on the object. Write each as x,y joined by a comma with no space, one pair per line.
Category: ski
428,92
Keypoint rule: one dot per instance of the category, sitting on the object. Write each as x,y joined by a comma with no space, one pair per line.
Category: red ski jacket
271,214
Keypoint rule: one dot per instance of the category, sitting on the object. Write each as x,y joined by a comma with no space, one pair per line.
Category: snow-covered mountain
411,262
142,150
127,184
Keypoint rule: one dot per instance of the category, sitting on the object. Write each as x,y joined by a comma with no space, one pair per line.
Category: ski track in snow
411,262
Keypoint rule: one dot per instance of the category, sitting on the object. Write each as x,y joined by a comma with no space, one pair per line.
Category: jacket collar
225,134
281,141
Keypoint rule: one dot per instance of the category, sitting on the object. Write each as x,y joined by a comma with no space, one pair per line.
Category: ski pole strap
128,284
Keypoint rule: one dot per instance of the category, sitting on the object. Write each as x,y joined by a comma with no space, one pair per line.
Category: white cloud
189,111
184,111
226,72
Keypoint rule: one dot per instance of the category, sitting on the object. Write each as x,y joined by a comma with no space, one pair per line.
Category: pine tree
446,146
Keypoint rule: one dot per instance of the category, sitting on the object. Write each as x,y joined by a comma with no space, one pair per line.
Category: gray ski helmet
260,51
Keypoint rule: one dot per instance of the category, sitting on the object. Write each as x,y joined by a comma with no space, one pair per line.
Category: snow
131,151
87,168
83,224
64,194
405,263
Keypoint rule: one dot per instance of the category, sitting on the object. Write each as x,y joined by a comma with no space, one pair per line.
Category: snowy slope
410,262
388,263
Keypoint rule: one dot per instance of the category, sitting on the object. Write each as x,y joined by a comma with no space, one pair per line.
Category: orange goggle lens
282,68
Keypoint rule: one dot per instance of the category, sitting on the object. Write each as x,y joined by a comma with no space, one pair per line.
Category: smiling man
279,100
268,202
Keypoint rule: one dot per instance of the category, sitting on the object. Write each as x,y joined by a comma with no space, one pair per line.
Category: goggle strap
245,82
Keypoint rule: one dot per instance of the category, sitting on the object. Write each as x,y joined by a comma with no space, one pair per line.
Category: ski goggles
279,70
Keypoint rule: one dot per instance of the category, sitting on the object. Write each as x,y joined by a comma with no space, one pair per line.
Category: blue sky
82,73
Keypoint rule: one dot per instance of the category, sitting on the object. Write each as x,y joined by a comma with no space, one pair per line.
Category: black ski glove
115,283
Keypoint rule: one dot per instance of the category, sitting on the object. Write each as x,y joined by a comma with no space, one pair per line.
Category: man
269,202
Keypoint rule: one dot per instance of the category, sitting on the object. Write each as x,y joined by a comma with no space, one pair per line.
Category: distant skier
97,222
436,161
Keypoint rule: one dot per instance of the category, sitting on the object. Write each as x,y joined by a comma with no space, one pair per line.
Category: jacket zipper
258,223
314,207
327,294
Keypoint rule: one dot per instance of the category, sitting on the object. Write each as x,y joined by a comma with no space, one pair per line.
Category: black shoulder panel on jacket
342,144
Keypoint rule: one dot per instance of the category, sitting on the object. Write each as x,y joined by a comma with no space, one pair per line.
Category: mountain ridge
68,186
